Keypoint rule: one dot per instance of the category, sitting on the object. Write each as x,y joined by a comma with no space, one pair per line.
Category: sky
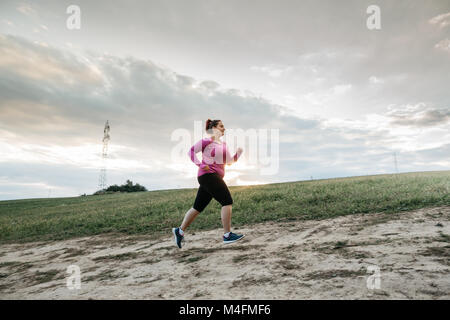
346,99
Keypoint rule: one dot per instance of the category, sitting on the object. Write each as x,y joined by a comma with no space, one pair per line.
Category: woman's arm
198,147
229,159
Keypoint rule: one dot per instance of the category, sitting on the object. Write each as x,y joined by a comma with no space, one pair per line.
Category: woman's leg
188,218
218,189
226,217
202,199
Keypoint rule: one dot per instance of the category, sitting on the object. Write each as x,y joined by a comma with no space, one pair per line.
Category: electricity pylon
102,178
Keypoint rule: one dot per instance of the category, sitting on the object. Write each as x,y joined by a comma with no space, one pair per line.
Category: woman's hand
237,155
206,168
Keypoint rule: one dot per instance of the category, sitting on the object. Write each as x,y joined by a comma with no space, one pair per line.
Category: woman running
210,177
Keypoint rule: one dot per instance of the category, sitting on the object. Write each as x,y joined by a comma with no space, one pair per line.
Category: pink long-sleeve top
214,154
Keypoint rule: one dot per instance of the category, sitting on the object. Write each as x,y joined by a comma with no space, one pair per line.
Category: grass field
154,213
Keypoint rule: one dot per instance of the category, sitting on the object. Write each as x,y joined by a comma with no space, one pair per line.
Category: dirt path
327,259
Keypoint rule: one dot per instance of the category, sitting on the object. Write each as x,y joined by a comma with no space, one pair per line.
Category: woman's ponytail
211,124
208,123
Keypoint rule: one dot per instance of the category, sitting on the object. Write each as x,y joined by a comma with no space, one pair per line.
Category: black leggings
211,186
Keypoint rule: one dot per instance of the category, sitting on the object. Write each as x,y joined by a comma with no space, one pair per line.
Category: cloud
26,9
402,128
40,63
443,45
272,70
376,80
441,20
418,115
54,104
342,88
8,23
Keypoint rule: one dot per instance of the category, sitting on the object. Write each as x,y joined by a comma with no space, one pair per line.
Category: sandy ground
328,259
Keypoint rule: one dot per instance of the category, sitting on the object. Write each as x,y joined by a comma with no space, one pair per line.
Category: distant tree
126,187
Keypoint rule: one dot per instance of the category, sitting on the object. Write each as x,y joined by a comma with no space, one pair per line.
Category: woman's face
220,129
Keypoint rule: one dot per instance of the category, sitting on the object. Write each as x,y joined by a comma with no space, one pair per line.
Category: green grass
154,213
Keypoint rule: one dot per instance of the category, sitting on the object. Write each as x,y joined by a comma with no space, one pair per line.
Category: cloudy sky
346,100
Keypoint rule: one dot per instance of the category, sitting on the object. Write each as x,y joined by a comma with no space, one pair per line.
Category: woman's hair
211,124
